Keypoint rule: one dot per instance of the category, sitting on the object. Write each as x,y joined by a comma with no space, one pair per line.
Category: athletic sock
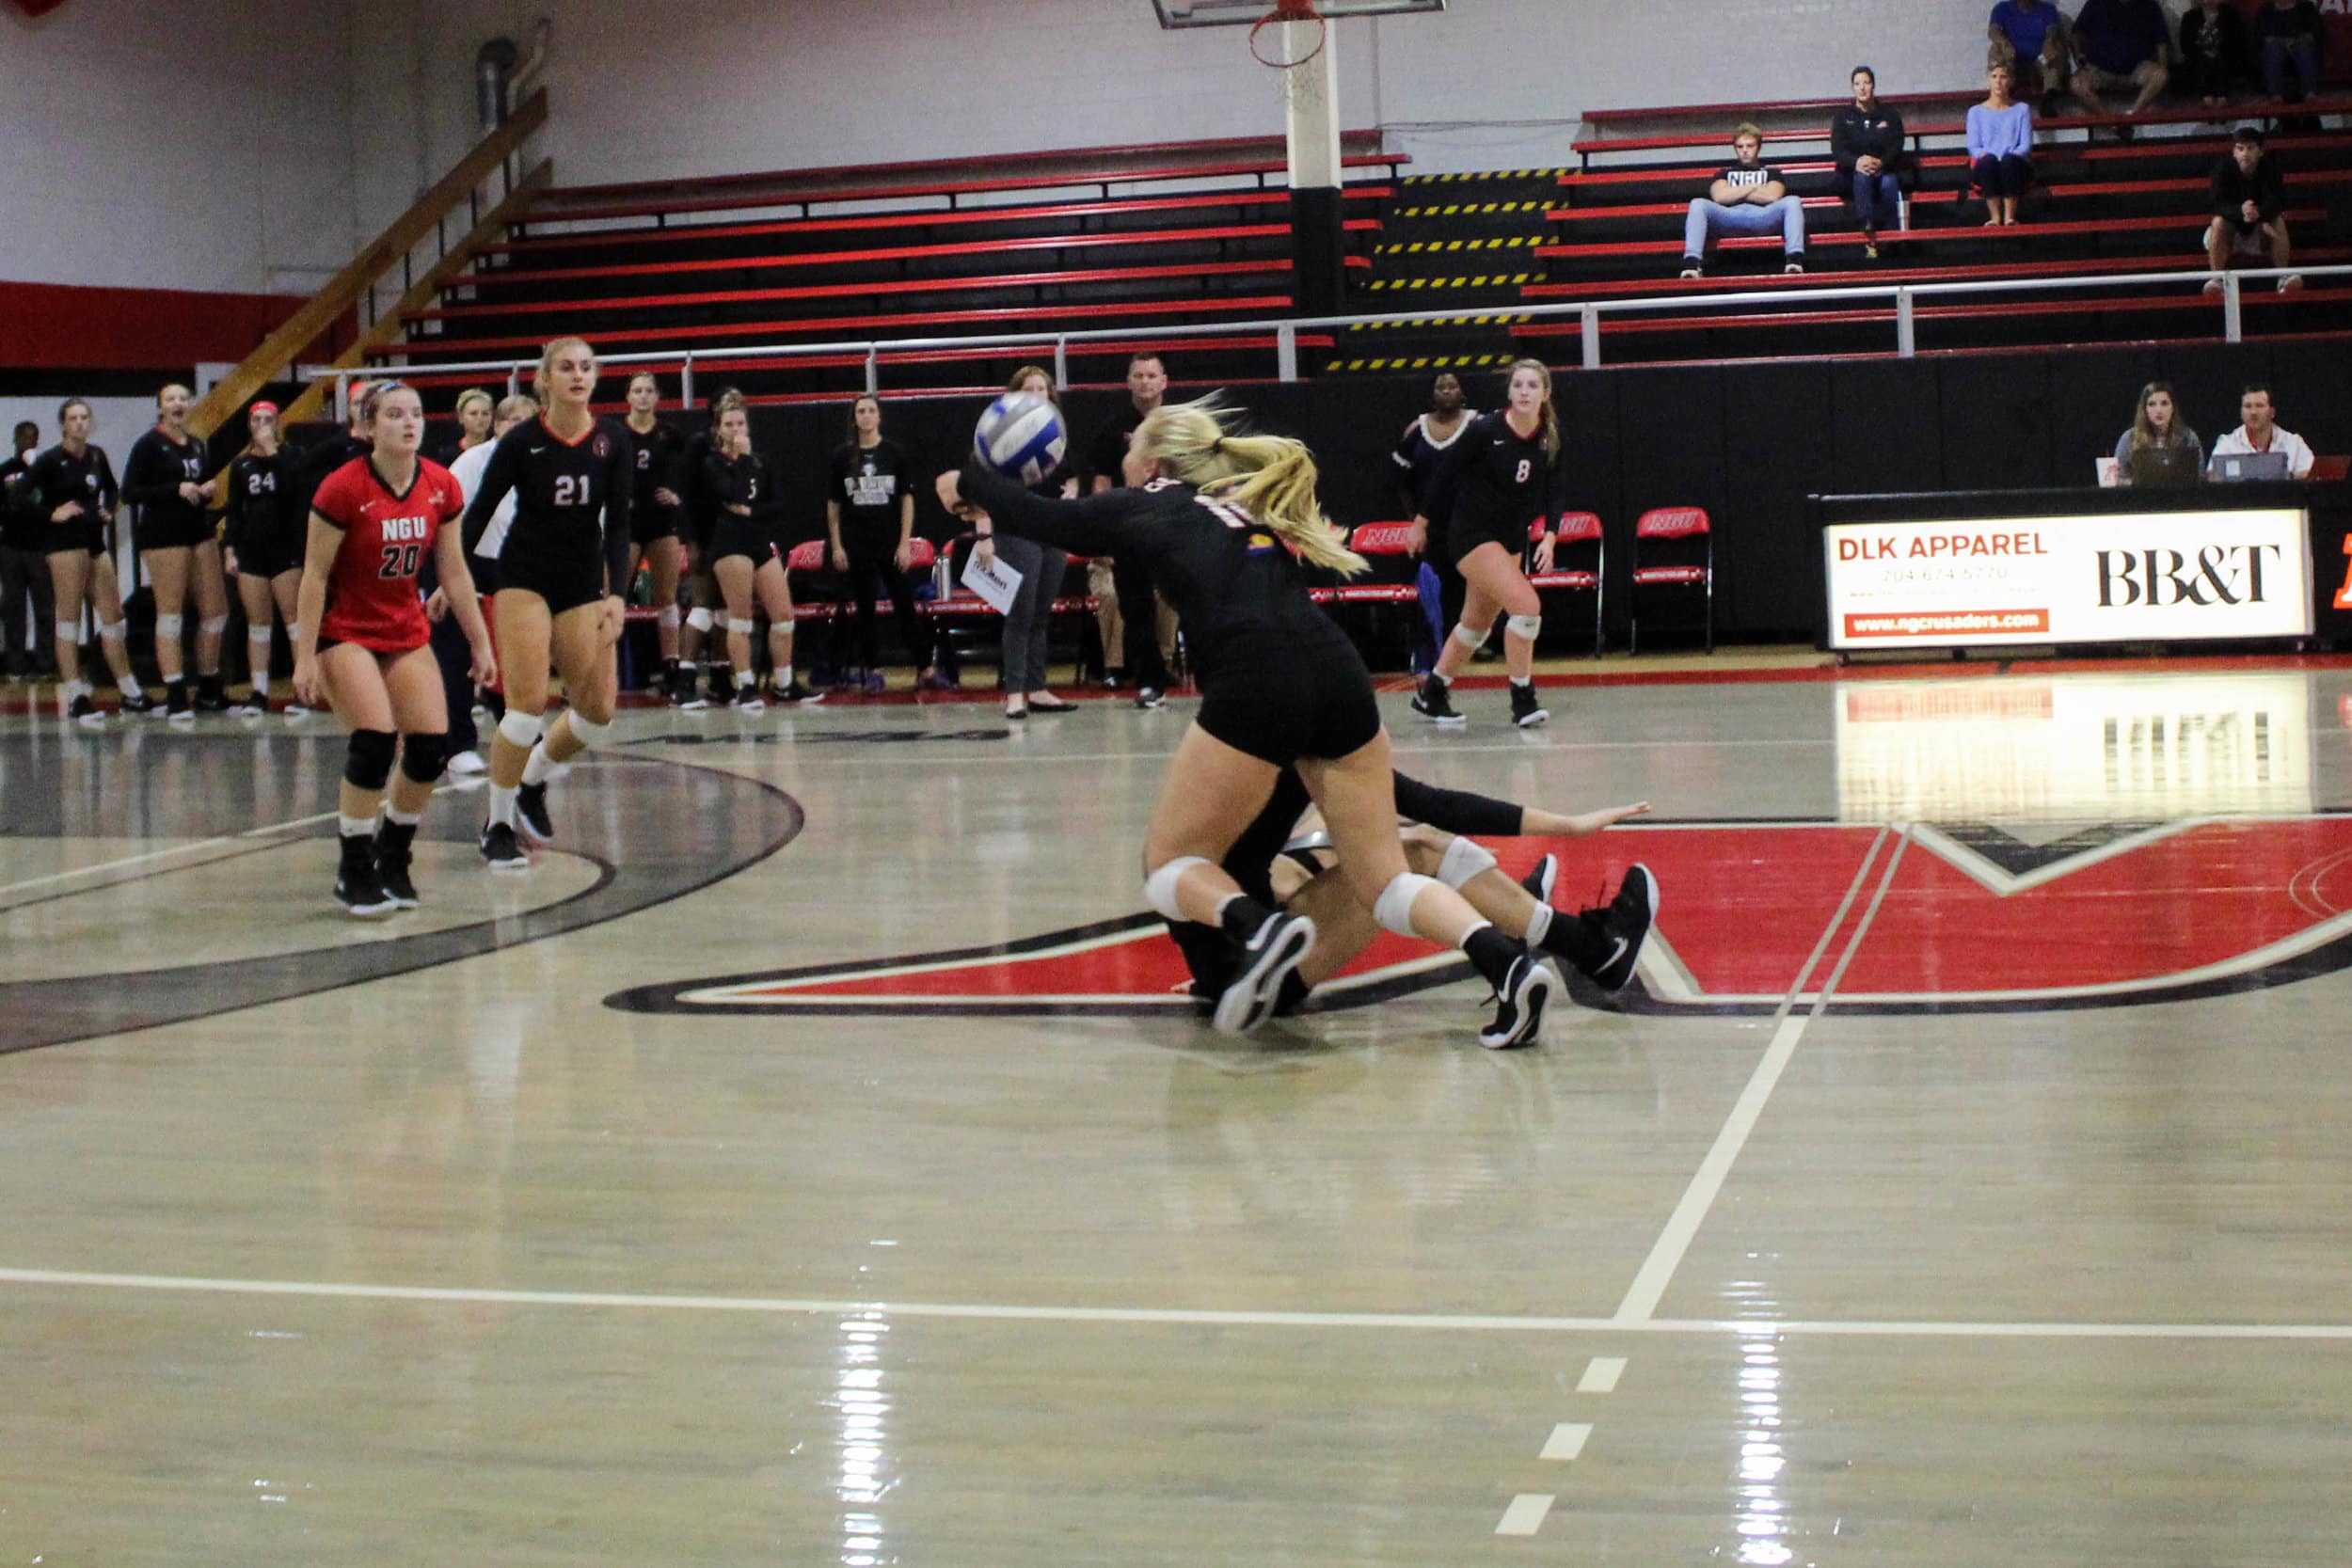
743,680
781,677
1527,682
501,806
1241,916
1490,953
260,683
1539,924
1582,940
537,766
130,684
356,827
403,818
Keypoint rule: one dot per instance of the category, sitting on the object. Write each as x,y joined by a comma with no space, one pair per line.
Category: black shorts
267,557
1466,534
82,536
743,536
1317,703
649,523
567,580
174,535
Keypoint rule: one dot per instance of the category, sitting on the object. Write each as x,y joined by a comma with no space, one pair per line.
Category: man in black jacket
2250,204
23,565
1866,140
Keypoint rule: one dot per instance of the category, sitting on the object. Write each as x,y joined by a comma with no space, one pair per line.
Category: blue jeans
1709,218
2303,53
1875,195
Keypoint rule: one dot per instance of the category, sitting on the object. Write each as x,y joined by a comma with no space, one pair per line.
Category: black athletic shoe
1265,960
722,685
793,693
210,698
500,850
1433,702
1626,924
176,703
530,813
681,687
1543,879
394,849
140,702
85,713
1526,712
1520,1003
357,887
255,707
1151,696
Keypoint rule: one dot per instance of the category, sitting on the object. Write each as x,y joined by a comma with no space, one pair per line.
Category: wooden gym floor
805,1164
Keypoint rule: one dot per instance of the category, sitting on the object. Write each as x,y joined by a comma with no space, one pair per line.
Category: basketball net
1284,49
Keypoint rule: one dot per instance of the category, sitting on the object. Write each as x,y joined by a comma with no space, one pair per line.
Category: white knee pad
114,632
166,626
212,626
1394,909
701,619
522,729
587,733
71,631
781,623
666,617
1471,636
1526,627
256,637
1462,861
744,623
1159,889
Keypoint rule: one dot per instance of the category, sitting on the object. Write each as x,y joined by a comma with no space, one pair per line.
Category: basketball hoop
1286,12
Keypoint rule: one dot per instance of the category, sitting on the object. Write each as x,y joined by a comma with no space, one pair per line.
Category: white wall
176,146
730,86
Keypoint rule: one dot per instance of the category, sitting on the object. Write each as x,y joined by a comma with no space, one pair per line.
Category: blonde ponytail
1270,477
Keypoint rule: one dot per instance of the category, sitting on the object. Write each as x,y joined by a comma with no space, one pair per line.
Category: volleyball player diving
268,518
1505,473
561,575
1224,522
362,641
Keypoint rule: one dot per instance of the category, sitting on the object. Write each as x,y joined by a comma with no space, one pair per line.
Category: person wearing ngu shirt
1748,198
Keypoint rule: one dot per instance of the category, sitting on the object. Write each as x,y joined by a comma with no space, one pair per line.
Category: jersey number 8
571,489
400,560
1527,466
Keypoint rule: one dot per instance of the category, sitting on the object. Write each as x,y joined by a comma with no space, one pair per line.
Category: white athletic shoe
467,764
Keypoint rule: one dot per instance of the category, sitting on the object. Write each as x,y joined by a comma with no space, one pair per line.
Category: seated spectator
2157,427
2120,44
2212,50
2030,37
1748,198
2287,33
1866,140
2249,204
2261,433
2000,148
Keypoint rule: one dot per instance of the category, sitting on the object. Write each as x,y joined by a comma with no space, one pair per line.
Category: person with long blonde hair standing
1225,522
561,572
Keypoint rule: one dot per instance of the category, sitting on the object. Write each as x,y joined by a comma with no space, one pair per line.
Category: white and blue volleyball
1020,437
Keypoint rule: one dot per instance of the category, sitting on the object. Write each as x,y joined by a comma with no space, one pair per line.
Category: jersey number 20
400,560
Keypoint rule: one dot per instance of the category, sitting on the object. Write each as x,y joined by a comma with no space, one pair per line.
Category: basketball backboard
1248,13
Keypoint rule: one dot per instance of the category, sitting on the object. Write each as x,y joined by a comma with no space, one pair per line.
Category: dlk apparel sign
2174,576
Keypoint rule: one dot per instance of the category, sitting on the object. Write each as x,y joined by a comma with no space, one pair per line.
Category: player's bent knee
1469,636
701,619
1464,860
423,757
1393,908
1526,628
521,730
1159,888
367,761
591,731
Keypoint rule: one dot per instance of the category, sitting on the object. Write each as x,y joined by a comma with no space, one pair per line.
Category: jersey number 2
400,560
571,489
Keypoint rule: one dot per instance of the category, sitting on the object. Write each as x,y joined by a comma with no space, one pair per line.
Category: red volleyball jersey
372,593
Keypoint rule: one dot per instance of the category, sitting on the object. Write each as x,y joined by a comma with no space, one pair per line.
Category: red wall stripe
50,326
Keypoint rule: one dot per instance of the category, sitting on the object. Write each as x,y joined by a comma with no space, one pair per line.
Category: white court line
1525,1516
1682,1227
1567,1440
1440,749
1601,1374
1164,1317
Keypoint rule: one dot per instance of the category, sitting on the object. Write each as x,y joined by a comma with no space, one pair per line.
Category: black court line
670,844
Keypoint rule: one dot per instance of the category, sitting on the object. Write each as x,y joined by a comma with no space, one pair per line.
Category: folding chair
1673,526
1577,529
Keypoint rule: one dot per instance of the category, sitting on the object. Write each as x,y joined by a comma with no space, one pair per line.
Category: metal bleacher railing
1589,314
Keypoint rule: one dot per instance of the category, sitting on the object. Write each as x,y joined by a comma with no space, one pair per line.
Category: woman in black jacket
1866,140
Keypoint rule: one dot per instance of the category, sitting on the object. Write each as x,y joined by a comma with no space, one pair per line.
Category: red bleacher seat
1382,539
1575,529
1669,525
2330,470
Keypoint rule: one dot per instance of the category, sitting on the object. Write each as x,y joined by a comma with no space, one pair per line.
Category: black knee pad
369,763
423,757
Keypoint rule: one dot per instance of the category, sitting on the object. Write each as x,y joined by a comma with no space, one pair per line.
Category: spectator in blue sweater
2000,148
2030,38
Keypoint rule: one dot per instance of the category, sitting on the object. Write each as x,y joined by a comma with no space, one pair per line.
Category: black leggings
1139,621
2011,175
871,563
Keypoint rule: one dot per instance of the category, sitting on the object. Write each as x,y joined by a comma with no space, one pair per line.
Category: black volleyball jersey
653,463
571,497
59,477
1496,481
267,504
869,482
326,458
1418,456
740,480
151,477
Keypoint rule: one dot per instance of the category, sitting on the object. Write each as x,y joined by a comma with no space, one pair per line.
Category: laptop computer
2167,466
2246,465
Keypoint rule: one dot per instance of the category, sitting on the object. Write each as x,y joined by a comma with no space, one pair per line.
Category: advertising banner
2149,576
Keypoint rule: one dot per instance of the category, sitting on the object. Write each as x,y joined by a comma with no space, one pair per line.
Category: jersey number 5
571,489
400,560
